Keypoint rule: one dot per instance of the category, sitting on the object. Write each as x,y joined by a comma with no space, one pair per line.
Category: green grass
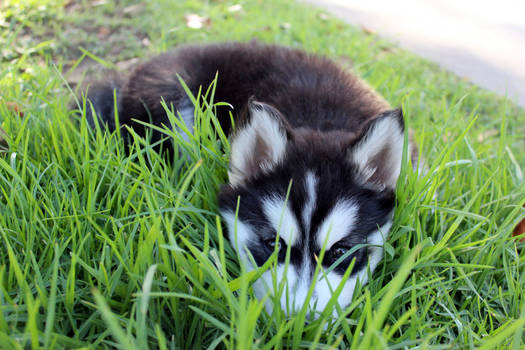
102,250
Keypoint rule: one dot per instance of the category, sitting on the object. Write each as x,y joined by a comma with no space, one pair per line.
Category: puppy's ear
258,145
378,153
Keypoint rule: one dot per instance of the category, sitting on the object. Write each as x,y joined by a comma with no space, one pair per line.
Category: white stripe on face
282,219
326,285
337,224
240,234
375,250
310,184
294,295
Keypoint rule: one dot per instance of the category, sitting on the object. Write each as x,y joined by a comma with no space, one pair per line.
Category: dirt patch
105,29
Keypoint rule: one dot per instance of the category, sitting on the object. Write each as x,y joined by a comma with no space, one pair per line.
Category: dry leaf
15,108
389,49
520,229
103,32
367,30
386,50
196,22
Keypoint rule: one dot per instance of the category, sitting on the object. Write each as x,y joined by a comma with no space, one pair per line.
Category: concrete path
481,40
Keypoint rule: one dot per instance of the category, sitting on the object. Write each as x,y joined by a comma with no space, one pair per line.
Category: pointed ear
378,154
259,145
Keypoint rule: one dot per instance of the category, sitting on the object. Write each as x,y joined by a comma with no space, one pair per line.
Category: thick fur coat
299,119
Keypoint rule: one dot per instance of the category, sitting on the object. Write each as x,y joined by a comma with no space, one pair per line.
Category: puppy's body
312,91
301,119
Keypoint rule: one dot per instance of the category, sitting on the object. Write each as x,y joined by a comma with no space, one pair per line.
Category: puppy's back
309,90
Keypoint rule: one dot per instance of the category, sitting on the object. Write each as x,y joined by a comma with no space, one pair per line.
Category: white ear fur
259,145
379,153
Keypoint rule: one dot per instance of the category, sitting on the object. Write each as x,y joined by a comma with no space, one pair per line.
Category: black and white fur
301,119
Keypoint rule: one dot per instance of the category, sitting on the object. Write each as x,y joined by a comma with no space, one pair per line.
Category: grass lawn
102,250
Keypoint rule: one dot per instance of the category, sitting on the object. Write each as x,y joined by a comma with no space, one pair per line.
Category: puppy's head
305,191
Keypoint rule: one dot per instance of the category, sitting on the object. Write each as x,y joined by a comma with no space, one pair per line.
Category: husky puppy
300,120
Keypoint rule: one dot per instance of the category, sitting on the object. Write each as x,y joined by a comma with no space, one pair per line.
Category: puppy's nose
299,301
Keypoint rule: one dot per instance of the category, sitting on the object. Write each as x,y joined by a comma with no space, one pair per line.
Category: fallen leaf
389,49
103,32
195,21
386,50
520,229
367,30
15,108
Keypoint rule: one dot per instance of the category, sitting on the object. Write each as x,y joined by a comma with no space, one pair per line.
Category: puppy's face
317,200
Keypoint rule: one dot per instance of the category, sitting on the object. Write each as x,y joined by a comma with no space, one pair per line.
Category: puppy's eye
338,251
270,244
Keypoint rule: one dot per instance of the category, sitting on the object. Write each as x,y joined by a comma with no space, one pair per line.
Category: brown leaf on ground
389,49
385,51
520,229
196,22
103,32
367,30
13,106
